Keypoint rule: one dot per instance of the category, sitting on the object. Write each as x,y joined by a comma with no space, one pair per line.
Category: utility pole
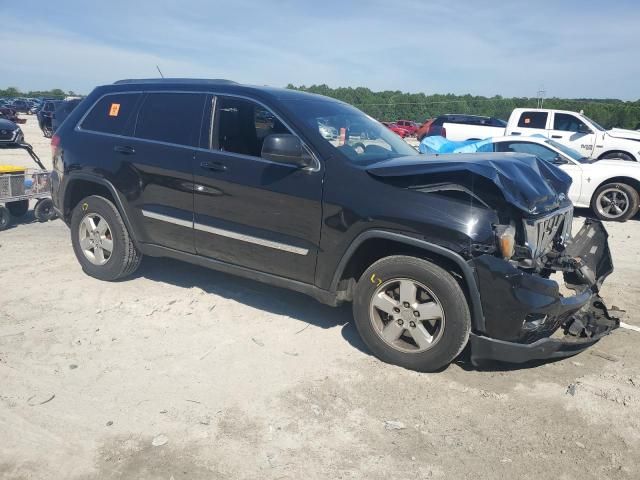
541,94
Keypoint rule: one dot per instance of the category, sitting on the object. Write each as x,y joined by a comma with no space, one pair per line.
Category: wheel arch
632,182
373,245
83,185
617,150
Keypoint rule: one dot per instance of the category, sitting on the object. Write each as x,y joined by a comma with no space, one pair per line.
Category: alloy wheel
96,240
612,203
407,315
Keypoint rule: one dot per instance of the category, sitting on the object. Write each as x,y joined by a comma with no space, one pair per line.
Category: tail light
55,143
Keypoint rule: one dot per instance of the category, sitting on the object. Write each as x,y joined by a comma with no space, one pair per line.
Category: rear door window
533,120
171,118
111,113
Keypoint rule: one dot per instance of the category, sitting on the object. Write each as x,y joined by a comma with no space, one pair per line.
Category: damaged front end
527,317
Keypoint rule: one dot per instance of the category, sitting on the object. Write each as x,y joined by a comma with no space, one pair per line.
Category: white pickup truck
572,129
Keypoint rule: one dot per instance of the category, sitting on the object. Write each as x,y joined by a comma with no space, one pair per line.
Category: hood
7,125
627,134
526,182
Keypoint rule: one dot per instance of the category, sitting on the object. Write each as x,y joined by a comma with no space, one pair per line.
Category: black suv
434,253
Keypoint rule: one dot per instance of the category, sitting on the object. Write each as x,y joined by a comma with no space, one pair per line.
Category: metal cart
19,185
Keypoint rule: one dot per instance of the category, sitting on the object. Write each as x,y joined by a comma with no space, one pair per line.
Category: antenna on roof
160,72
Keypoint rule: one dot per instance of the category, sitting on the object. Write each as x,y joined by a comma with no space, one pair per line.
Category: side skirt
323,296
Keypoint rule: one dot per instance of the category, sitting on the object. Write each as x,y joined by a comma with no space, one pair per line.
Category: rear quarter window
111,113
533,120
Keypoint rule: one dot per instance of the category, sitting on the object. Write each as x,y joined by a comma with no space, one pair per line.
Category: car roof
214,85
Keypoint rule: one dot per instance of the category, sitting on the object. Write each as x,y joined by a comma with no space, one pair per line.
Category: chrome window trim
214,95
227,233
168,219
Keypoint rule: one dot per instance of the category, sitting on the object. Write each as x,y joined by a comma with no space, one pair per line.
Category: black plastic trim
323,296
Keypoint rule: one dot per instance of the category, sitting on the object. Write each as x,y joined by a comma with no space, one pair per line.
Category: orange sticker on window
114,110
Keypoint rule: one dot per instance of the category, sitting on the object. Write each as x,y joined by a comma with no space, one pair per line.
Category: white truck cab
577,131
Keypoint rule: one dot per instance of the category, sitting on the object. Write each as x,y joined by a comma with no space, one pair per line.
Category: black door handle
516,133
556,136
215,166
124,149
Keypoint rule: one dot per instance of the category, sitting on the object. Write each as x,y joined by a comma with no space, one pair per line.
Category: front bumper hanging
526,316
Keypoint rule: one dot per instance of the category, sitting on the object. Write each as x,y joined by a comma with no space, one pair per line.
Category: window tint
533,120
171,118
242,125
567,123
531,148
111,113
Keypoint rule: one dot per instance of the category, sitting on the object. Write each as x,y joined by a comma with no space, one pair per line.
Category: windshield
358,136
599,127
569,152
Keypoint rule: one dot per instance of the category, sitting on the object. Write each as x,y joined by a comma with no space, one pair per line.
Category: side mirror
584,129
559,161
286,148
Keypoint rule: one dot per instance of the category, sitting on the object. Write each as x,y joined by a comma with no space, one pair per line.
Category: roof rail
213,81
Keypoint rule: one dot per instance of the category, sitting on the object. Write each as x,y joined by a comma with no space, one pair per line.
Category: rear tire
616,202
101,241
5,218
18,208
424,335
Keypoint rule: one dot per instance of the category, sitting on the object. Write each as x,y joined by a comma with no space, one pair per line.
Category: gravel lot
184,373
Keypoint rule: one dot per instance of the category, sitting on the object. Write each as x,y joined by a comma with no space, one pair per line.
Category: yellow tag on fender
114,110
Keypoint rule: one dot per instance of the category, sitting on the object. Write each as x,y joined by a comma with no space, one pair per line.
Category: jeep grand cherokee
434,253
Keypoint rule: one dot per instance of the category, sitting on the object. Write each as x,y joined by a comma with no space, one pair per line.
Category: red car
396,129
408,125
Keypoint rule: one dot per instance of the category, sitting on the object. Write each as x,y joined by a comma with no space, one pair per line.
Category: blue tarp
442,145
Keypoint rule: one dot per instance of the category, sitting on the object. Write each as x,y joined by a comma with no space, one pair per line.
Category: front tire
616,202
101,241
5,218
411,313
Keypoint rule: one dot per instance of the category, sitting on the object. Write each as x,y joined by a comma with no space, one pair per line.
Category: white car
610,187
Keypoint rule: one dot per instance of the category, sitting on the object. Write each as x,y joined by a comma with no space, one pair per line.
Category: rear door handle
556,136
124,149
215,166
516,133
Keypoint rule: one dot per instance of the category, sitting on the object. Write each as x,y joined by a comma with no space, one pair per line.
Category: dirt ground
185,373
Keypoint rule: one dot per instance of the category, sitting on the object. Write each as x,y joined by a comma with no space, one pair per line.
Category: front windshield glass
358,136
594,123
569,152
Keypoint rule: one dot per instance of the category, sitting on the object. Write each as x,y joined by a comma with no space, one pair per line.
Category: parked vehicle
20,106
396,129
10,133
45,116
610,187
9,114
457,127
62,109
433,253
571,129
408,125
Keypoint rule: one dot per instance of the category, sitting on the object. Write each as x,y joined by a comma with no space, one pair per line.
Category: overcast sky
572,48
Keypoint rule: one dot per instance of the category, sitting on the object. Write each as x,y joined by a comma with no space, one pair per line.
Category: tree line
395,105
391,105
13,92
